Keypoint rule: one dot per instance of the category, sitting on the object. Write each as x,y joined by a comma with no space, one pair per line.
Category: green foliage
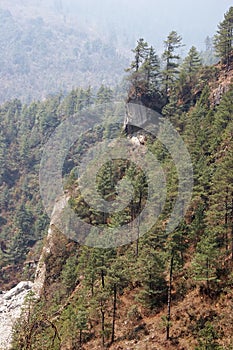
140,54
171,58
150,272
223,41
87,287
150,68
207,338
74,323
188,76
24,131
144,69
69,273
104,95
198,224
192,62
204,264
223,115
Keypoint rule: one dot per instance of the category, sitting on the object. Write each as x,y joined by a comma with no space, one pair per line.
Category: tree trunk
92,287
169,298
102,325
226,220
138,235
114,312
102,277
207,276
80,337
232,226
138,224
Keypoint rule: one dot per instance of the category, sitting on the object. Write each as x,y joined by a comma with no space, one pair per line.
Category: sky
154,19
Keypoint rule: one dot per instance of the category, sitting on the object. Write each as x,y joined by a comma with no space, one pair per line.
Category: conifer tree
204,262
118,276
188,75
150,69
69,273
192,63
2,157
219,215
171,60
151,274
140,54
175,248
137,76
104,95
223,40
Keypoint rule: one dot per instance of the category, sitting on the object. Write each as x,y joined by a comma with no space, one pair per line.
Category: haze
51,46
151,19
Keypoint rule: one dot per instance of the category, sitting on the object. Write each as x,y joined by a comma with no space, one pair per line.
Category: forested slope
118,297
164,290
41,58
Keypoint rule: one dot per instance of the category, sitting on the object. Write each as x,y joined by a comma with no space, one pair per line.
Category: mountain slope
88,292
40,57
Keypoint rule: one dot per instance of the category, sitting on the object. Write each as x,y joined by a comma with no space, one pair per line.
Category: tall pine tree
223,41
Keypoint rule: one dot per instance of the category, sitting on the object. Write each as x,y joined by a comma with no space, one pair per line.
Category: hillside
48,47
116,211
67,272
43,55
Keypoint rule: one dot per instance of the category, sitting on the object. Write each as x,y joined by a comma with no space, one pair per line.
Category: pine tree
208,55
74,322
104,95
150,272
118,276
102,298
223,40
204,263
191,64
69,273
223,116
150,68
140,54
171,60
219,215
198,224
137,74
175,248
3,152
209,44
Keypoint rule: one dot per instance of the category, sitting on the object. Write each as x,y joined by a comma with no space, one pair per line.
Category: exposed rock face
41,267
10,309
222,85
138,140
138,112
47,249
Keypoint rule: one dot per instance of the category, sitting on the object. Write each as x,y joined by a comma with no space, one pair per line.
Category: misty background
49,46
152,19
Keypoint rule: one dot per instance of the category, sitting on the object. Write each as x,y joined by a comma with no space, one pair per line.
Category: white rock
135,141
11,303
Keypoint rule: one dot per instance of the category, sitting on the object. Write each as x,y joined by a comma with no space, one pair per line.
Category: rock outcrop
40,274
11,303
222,84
